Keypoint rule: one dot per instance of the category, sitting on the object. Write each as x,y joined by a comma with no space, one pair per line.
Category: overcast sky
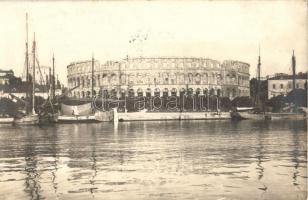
111,30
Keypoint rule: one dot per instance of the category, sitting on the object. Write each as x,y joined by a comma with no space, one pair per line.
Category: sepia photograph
153,100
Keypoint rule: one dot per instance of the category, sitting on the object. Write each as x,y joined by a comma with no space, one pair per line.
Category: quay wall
162,116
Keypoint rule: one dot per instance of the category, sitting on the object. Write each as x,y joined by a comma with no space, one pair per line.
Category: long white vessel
249,113
30,119
6,120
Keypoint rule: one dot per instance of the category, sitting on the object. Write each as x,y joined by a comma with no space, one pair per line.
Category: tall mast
293,69
53,77
92,76
27,54
33,76
258,79
259,66
49,81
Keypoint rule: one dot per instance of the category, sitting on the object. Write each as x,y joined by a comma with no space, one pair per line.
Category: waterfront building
160,76
5,76
281,84
20,90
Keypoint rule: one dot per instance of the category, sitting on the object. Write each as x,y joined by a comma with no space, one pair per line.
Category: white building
282,84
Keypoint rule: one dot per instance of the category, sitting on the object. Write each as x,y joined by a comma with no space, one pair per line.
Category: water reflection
32,186
156,160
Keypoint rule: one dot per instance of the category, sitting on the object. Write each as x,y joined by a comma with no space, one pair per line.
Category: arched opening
157,92
88,94
190,91
139,92
198,78
113,93
123,93
148,92
219,92
165,92
190,78
123,79
205,78
212,91
206,91
131,92
182,91
198,91
173,92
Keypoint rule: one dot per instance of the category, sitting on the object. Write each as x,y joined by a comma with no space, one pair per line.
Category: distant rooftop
282,76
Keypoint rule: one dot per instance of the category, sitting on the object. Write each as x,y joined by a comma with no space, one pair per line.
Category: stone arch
140,78
181,78
165,92
190,78
148,92
173,92
139,92
198,91
197,78
190,91
165,78
82,82
219,92
131,79
113,79
157,92
123,79
98,80
213,78
205,78
182,91
205,91
131,92
88,94
173,78
212,91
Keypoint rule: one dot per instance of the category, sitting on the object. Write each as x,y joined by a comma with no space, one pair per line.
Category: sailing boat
31,118
252,112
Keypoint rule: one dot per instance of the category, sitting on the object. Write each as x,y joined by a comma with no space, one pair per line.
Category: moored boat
249,113
6,120
30,119
76,119
76,114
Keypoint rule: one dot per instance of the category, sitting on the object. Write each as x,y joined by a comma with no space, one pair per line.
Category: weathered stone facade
160,76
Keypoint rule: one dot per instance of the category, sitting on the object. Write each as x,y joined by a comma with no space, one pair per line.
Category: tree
297,97
225,104
277,103
242,102
8,107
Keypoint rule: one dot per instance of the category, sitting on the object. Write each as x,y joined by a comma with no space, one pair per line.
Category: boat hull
290,116
27,120
6,121
248,115
77,119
